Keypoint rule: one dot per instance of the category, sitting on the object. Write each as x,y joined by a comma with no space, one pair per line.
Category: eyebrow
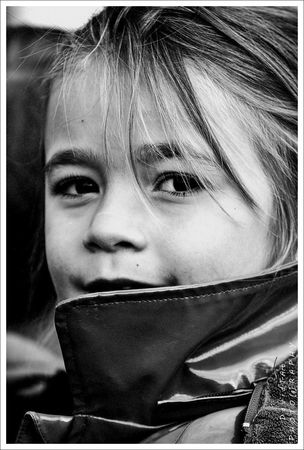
149,153
144,154
72,156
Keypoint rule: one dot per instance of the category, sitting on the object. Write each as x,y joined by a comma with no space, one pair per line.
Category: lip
117,284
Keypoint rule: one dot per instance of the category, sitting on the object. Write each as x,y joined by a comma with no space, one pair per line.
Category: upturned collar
152,357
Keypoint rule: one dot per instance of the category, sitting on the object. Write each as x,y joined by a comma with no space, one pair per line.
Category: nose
116,224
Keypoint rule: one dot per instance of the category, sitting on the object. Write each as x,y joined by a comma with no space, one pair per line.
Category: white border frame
46,4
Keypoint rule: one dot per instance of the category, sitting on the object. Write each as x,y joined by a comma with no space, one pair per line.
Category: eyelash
185,178
61,187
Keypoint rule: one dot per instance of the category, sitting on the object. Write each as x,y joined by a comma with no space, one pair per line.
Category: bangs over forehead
132,68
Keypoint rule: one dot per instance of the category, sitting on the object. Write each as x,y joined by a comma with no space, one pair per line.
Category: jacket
197,364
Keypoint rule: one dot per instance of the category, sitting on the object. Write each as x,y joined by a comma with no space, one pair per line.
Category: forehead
93,104
84,105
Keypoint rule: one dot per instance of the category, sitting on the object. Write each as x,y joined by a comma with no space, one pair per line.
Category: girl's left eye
75,187
178,184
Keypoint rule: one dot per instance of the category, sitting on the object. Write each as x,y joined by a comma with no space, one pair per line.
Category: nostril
93,246
124,244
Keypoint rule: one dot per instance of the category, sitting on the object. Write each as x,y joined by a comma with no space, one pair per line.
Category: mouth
120,284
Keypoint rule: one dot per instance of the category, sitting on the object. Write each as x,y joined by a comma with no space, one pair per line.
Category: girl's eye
179,184
75,186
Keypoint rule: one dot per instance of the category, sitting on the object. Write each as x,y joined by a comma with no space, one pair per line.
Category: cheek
63,256
210,246
60,243
56,251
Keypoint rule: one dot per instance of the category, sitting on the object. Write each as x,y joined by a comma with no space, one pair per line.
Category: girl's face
102,234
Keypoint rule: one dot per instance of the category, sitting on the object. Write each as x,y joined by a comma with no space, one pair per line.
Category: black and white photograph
151,203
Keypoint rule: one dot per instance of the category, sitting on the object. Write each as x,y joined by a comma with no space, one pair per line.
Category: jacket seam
163,300
39,428
83,428
22,430
76,369
180,436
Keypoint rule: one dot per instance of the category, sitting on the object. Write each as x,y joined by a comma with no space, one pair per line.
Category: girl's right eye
75,187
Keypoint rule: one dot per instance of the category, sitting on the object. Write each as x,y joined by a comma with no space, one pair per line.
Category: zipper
253,404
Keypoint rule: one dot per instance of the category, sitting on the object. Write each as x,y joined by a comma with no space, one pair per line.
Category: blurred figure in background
35,371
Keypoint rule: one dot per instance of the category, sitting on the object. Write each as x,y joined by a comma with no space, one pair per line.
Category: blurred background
66,17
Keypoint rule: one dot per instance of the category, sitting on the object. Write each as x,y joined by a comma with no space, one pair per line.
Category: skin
100,226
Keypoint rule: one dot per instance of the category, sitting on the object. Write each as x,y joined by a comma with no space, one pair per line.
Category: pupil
181,184
85,187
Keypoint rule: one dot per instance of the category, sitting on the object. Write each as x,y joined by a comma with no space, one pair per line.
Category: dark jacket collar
152,356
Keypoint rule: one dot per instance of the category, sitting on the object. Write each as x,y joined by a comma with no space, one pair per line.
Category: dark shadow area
35,372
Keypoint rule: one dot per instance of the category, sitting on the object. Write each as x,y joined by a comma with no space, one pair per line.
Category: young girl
170,226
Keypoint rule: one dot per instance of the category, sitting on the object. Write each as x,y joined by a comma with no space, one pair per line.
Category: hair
245,56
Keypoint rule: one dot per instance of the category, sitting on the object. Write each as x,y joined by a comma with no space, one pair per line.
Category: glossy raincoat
203,364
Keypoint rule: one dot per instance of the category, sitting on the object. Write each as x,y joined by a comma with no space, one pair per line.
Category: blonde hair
246,55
